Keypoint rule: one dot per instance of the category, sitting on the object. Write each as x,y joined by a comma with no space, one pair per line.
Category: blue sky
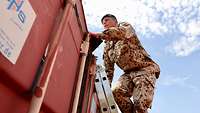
170,31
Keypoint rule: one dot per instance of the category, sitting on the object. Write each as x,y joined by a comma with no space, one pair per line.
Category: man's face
109,22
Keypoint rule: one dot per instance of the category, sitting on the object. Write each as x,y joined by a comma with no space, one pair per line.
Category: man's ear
116,23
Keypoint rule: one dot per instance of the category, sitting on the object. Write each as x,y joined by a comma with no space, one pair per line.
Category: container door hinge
85,46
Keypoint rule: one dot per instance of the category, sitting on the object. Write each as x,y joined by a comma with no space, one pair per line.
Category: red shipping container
59,95
16,80
20,76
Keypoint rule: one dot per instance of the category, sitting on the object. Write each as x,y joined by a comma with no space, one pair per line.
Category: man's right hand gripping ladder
104,92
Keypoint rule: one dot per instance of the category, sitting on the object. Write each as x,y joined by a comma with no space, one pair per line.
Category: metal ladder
104,92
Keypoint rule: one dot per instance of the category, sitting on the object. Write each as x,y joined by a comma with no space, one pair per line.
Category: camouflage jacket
124,48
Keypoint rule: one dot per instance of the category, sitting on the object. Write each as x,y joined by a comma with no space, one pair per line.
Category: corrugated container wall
18,80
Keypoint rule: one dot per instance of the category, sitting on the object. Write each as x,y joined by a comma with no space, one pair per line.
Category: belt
140,73
128,71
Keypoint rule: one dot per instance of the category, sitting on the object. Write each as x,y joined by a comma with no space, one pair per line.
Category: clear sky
170,31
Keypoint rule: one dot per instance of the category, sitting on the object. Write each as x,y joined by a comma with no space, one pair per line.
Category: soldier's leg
143,92
122,92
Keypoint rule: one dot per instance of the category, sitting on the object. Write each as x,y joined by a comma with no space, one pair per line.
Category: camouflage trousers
140,86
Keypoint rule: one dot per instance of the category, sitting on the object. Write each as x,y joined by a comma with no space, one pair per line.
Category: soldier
140,71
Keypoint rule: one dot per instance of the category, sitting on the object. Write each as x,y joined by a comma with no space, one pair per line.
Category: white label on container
16,20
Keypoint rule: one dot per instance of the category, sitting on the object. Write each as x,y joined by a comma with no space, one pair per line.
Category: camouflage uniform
138,81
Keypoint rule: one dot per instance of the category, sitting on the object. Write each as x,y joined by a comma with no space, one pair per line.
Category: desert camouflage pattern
140,71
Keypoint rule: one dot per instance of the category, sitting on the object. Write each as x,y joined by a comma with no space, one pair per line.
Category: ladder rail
104,91
101,96
108,93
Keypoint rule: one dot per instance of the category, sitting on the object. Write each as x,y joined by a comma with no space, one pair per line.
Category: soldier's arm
124,30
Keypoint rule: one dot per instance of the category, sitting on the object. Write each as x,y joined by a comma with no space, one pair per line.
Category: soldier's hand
94,35
99,35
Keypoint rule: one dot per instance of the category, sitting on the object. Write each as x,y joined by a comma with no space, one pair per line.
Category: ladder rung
104,91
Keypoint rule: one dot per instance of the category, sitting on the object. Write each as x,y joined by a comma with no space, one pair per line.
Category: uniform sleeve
124,30
109,66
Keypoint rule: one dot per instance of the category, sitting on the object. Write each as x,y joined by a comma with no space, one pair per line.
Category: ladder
104,92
